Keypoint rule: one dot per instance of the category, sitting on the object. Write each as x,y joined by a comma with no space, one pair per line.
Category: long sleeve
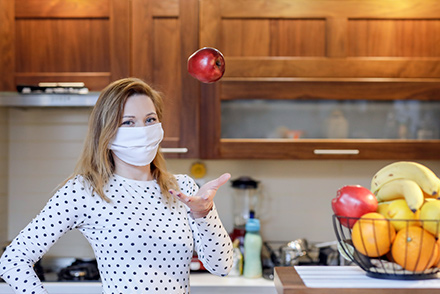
212,242
60,215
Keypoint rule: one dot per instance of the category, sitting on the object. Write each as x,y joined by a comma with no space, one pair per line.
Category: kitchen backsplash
39,148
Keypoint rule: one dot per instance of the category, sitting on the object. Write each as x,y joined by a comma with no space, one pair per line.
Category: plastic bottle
252,250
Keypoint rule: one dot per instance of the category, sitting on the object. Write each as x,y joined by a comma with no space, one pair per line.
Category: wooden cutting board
345,280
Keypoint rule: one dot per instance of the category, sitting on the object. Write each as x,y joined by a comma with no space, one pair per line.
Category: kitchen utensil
291,253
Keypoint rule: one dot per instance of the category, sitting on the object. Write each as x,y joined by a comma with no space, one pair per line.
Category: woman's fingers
202,202
180,196
212,186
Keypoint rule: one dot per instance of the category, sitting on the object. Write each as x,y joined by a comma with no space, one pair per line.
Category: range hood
14,99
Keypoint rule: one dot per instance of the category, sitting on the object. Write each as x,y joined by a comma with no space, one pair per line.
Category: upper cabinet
315,79
322,79
99,41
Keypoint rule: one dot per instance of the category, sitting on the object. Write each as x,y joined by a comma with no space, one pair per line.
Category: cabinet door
318,52
164,35
71,41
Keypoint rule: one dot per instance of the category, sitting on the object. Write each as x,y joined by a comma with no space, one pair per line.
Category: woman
141,221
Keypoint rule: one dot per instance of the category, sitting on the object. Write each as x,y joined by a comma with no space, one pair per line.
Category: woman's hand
202,202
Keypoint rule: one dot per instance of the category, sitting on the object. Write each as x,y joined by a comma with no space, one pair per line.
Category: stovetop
67,270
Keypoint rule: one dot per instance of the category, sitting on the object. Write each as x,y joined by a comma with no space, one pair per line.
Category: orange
415,249
373,234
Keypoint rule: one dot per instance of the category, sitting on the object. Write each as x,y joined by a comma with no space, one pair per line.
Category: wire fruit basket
411,253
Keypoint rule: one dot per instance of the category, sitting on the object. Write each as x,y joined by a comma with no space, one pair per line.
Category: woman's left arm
212,241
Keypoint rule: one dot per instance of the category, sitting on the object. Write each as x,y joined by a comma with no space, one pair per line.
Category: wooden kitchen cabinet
295,53
99,41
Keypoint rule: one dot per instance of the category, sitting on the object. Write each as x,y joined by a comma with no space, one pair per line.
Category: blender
245,200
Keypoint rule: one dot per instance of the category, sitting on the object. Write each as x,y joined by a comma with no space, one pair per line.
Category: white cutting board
354,277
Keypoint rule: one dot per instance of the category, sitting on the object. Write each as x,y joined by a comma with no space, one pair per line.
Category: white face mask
137,145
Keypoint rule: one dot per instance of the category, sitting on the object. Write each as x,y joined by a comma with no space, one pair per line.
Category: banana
429,196
423,176
402,188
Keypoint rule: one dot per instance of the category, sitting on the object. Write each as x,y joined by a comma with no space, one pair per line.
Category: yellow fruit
372,235
429,196
400,215
382,208
430,217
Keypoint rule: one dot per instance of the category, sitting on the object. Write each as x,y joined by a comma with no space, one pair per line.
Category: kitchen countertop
201,283
344,280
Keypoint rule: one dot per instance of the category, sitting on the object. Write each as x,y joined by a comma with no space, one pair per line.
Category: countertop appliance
246,198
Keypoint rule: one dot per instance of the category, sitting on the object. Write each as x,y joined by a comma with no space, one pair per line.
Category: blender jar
245,201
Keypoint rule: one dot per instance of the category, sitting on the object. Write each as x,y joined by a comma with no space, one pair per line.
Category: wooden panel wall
62,45
7,56
394,37
61,9
273,37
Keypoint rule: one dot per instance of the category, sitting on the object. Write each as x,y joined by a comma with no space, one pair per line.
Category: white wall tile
45,143
296,194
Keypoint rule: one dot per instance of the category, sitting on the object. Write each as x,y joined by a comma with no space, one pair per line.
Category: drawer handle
174,150
336,151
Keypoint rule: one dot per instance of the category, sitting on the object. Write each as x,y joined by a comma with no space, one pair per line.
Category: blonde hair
96,164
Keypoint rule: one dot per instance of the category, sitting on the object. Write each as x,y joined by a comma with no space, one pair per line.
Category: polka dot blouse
142,243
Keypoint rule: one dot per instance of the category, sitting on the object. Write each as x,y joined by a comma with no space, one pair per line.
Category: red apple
207,65
353,201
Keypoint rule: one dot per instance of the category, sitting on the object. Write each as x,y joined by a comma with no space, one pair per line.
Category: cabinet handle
174,150
336,151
